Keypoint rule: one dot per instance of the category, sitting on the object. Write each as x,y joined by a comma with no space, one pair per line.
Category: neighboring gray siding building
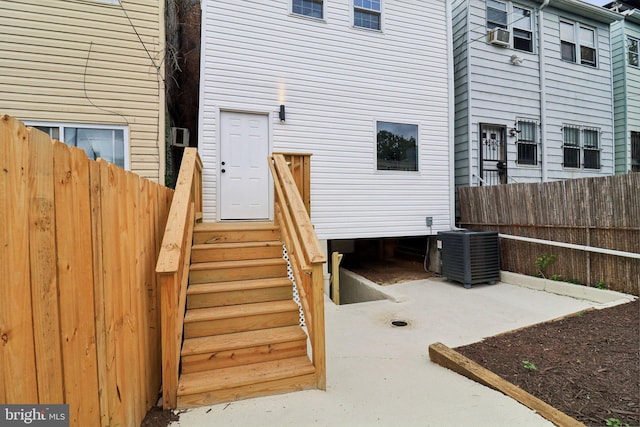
533,91
625,39
349,74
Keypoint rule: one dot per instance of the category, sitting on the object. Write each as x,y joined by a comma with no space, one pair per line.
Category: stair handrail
172,268
306,257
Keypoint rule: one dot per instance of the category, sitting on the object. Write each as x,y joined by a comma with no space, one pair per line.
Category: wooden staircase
241,328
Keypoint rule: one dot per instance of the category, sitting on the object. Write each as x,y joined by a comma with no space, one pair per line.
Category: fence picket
17,353
44,285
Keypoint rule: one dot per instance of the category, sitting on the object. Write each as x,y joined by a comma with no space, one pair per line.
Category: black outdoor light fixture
281,114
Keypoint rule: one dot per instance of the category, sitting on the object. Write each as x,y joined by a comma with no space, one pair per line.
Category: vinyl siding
461,83
501,93
336,81
577,95
80,61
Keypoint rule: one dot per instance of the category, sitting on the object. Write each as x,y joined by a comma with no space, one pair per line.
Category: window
591,148
367,14
577,43
527,143
522,29
97,141
635,151
397,146
514,18
312,8
496,14
577,139
571,147
632,51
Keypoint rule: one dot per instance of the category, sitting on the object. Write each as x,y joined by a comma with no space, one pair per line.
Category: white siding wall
336,81
579,95
47,74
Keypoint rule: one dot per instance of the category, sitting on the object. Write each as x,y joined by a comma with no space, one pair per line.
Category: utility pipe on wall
543,90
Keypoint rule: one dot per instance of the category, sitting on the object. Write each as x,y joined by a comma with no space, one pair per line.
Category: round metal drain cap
399,323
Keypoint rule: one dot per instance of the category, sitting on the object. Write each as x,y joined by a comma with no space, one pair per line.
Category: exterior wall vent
470,257
179,137
498,36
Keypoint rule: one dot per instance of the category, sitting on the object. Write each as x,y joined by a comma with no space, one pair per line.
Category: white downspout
543,90
469,99
451,116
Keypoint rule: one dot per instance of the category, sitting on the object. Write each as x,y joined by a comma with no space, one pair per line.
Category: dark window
578,43
312,8
496,14
367,14
527,144
632,48
522,29
591,148
397,146
635,151
571,147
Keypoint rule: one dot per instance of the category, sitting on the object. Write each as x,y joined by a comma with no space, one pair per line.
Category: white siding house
347,73
533,91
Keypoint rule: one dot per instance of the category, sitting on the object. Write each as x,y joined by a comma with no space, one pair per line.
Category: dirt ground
586,365
391,271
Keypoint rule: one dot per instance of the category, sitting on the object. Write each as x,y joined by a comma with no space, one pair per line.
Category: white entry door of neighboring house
244,169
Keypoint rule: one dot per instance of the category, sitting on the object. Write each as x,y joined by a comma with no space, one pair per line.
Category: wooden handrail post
318,345
170,345
173,269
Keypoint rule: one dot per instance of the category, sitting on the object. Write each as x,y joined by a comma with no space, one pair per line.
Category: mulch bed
586,365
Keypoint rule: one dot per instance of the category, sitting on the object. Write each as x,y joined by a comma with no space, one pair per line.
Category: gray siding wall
577,95
461,74
632,95
502,93
620,96
336,81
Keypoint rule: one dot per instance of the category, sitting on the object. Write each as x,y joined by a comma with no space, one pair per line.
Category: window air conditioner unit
499,36
179,137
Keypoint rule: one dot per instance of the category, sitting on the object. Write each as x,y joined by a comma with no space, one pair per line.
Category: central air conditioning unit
498,36
470,256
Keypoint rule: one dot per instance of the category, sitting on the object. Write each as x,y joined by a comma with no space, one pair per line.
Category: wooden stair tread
239,285
233,226
237,376
216,265
236,245
241,310
245,339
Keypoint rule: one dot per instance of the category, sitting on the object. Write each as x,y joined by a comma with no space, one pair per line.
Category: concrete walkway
380,375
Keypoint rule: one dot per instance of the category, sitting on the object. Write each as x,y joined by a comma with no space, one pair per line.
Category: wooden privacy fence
79,302
597,212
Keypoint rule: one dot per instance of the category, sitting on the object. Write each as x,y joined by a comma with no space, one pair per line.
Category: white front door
244,168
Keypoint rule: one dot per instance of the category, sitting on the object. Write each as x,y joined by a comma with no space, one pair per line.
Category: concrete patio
379,374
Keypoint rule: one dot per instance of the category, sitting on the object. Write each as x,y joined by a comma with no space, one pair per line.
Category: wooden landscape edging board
451,359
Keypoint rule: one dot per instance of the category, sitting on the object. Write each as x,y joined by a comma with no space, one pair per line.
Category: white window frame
581,147
322,18
578,43
61,129
511,22
354,8
375,147
630,54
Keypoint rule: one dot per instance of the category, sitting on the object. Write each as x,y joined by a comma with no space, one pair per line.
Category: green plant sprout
601,285
614,422
542,262
529,365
